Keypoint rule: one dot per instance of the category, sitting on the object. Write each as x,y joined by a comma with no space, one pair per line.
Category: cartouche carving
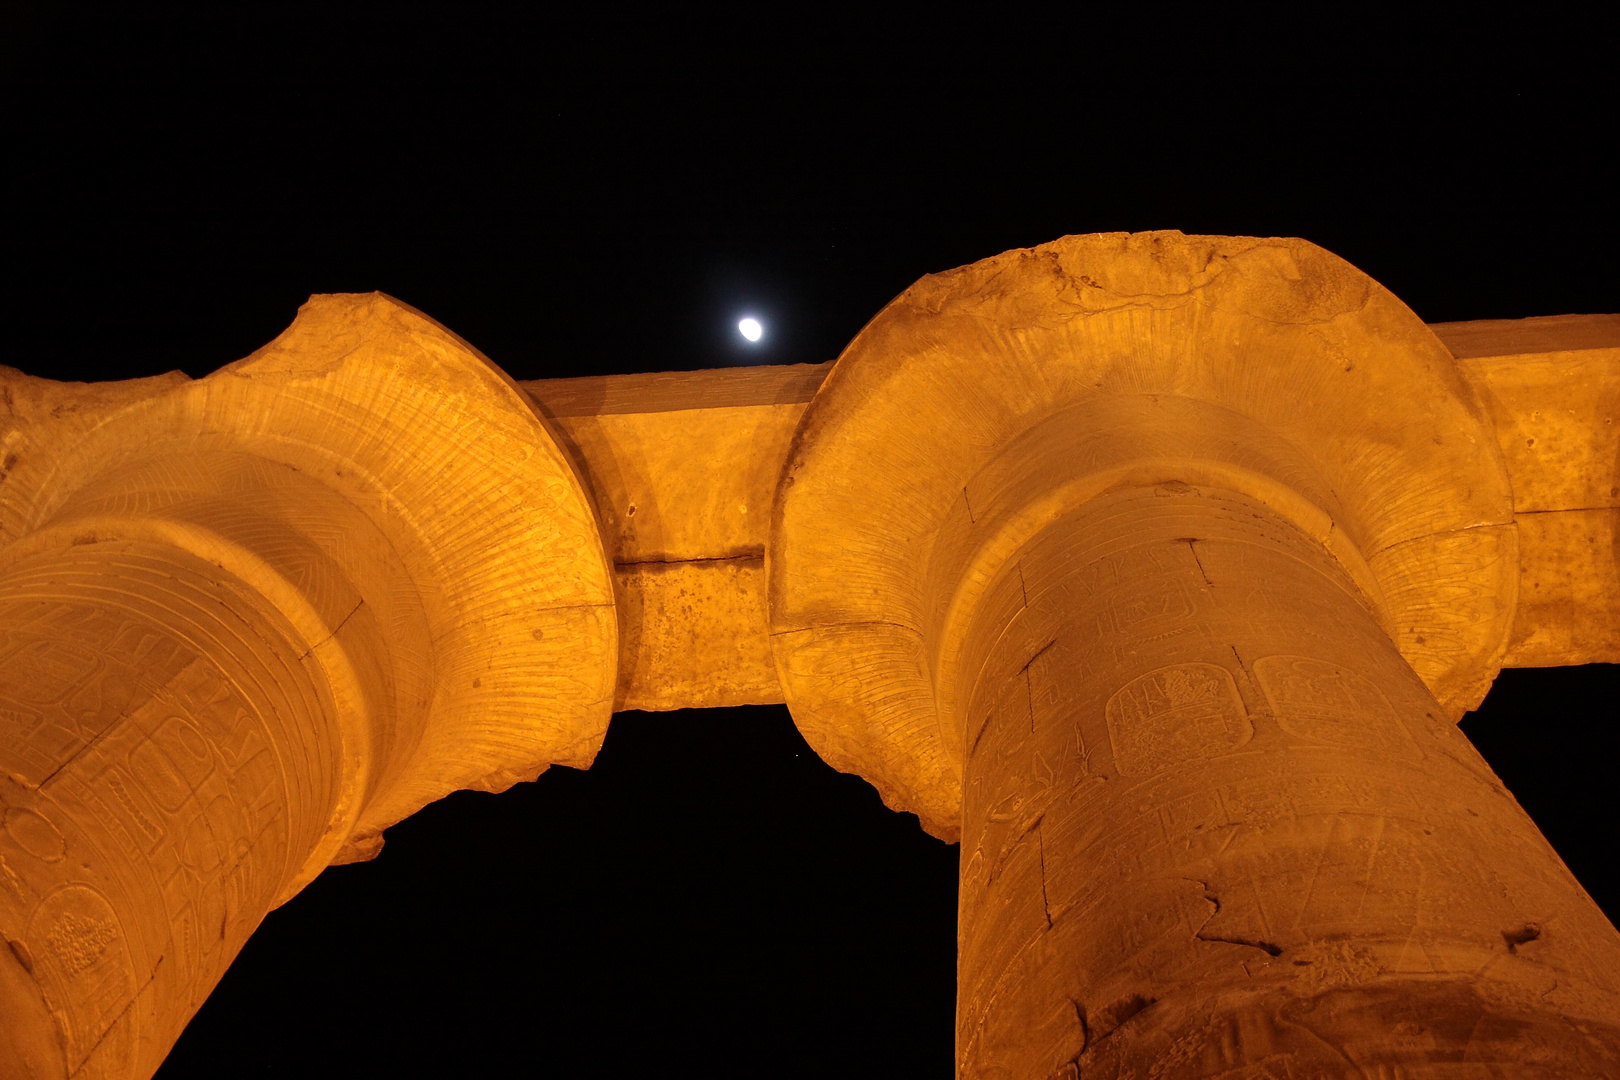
1174,715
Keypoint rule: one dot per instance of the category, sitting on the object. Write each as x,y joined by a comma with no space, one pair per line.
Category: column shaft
168,760
1215,825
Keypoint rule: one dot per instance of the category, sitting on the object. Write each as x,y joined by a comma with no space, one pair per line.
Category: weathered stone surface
1552,388
693,635
1215,825
1569,589
684,467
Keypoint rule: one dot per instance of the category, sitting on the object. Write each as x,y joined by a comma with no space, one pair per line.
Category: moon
751,329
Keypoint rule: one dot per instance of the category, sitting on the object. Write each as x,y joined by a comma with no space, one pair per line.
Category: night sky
611,197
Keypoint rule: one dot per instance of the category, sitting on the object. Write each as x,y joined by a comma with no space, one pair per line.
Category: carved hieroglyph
1154,567
1215,822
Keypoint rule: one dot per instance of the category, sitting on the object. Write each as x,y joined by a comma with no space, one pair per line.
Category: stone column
1158,569
172,761
1214,824
246,624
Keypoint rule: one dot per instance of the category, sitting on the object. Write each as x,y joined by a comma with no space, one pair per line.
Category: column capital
1041,377
423,492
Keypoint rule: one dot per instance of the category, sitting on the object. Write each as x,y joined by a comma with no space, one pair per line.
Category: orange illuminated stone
1155,568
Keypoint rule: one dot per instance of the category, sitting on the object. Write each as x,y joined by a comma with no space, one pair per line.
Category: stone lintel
1552,389
683,466
662,452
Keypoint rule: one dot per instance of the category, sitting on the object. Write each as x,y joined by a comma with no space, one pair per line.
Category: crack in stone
1040,841
1192,546
1253,943
1264,946
120,1017
335,631
749,556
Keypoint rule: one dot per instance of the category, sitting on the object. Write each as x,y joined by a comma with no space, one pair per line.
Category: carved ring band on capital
985,402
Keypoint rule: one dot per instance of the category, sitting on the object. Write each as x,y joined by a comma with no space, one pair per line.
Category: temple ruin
1156,569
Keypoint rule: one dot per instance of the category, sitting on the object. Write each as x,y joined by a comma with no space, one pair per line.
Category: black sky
578,198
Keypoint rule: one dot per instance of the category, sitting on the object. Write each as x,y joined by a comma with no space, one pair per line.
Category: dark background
578,197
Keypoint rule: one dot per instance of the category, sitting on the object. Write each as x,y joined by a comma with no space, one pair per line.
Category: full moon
750,329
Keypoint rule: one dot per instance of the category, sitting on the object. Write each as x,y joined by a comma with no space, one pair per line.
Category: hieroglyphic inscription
1325,703
1174,715
34,833
112,728
79,945
79,940
61,690
1150,611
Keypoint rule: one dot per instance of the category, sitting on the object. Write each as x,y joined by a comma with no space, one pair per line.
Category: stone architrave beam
1155,568
669,448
